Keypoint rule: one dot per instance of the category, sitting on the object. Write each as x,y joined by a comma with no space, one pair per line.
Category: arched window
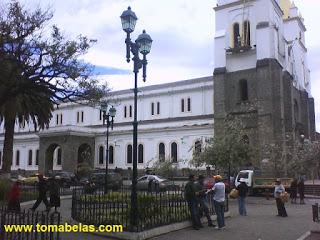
236,35
129,153
30,158
59,157
17,158
243,86
197,146
101,155
162,152
111,154
174,152
246,33
140,153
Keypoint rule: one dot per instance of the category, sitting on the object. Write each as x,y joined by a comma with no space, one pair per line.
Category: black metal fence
28,221
30,192
315,212
154,208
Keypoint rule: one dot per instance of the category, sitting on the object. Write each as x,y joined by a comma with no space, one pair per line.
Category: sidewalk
261,223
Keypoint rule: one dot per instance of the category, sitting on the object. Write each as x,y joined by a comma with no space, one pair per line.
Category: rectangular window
189,104
57,119
17,158
100,116
182,105
82,116
30,158
130,111
78,117
37,157
152,108
61,118
125,111
158,108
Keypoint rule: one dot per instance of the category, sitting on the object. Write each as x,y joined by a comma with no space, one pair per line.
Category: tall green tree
230,149
39,68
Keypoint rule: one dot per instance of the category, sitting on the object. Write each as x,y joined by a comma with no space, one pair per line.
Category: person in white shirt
219,189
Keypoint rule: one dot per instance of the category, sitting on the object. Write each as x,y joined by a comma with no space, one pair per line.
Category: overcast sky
183,34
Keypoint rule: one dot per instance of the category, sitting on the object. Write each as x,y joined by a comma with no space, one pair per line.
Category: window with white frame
129,154
30,157
100,155
140,153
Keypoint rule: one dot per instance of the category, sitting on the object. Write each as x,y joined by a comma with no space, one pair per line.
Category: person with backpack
202,199
191,198
242,194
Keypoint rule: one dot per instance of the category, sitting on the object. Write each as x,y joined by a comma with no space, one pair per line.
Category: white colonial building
173,118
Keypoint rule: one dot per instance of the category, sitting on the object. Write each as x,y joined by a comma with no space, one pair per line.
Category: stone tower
261,70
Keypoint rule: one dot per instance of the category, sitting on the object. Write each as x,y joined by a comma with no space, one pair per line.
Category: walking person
219,191
301,190
279,188
293,191
202,199
42,190
191,198
14,197
55,192
242,194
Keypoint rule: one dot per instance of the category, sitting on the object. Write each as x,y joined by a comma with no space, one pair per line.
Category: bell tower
259,51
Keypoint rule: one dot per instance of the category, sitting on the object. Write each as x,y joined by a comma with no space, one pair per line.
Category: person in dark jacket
42,189
243,190
293,190
202,199
191,198
301,190
14,197
55,192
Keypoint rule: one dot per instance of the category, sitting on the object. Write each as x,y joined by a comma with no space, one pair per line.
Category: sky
182,33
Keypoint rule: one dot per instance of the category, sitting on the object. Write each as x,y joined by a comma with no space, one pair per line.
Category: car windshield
243,175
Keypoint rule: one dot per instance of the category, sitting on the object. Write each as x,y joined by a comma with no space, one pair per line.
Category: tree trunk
9,122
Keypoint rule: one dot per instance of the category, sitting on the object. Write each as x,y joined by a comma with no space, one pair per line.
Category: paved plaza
260,224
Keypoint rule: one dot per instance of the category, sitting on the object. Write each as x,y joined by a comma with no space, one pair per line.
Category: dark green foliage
39,70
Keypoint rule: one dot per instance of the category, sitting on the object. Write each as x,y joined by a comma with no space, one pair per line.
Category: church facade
261,71
173,118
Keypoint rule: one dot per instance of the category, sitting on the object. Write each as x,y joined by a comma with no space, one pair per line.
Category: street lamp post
108,117
142,45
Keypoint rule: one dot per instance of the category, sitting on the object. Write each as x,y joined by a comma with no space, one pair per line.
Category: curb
155,231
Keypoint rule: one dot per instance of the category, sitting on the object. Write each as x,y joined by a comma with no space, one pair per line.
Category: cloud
102,70
182,30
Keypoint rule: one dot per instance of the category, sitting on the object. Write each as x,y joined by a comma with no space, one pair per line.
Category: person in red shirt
14,197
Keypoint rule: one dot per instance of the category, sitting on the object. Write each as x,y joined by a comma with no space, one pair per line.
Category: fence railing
154,208
315,212
30,192
27,222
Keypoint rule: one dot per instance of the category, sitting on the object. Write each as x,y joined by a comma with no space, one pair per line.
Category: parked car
155,183
31,180
114,180
66,179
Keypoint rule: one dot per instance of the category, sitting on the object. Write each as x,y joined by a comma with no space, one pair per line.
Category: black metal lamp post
142,45
108,117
